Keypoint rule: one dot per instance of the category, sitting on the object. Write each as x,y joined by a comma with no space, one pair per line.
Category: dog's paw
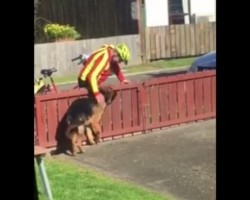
81,152
92,142
73,154
97,139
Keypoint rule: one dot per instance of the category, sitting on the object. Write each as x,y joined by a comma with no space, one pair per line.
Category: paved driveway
179,161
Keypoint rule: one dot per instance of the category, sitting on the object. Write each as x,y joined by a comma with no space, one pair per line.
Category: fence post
41,138
143,107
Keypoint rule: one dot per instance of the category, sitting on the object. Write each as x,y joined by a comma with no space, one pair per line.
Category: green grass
71,182
156,65
66,78
161,64
174,62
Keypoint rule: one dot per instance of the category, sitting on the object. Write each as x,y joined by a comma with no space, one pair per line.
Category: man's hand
100,98
125,81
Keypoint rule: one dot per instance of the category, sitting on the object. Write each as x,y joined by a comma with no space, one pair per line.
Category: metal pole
44,177
189,12
35,186
141,29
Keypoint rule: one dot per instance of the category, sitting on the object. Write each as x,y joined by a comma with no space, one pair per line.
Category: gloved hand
85,56
100,98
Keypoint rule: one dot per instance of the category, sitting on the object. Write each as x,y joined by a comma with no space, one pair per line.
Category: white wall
156,13
204,8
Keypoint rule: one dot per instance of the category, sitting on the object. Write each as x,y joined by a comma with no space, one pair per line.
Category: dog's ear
110,95
114,94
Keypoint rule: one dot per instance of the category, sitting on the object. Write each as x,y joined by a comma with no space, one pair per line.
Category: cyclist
98,67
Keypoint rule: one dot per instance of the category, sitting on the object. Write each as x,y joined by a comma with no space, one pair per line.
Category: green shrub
58,32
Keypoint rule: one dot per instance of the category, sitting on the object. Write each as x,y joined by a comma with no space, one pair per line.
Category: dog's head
109,94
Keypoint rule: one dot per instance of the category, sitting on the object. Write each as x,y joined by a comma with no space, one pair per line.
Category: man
97,69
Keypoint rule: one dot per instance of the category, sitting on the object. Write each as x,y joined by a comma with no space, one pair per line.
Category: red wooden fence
156,103
179,99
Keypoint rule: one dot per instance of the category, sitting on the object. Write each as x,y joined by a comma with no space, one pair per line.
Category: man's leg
98,112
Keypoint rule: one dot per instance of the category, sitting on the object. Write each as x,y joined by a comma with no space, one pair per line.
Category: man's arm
117,70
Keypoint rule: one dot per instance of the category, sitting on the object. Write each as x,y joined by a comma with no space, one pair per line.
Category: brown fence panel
156,103
49,113
179,99
122,116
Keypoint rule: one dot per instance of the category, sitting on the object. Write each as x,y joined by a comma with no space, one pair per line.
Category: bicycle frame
54,87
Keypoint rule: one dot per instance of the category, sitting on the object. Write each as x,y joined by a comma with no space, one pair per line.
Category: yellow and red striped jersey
98,67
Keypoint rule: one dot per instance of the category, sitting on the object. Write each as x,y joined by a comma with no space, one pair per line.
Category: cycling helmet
124,52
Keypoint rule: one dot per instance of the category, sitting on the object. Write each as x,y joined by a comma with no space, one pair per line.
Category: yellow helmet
124,52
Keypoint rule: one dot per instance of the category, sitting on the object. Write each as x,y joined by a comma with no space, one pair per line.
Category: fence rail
153,104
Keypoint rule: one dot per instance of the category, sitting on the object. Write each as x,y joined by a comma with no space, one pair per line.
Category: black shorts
85,84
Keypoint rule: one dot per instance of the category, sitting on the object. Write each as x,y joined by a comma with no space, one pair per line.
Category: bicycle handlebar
77,58
82,58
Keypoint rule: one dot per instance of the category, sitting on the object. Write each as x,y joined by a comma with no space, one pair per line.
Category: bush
58,32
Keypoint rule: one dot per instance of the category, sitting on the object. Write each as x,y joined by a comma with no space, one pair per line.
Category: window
176,12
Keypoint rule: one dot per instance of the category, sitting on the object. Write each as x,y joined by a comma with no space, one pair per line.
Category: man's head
123,52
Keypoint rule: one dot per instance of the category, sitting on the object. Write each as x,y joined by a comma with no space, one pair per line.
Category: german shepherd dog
83,117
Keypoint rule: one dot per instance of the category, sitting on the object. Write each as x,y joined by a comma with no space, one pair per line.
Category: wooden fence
164,42
180,40
153,104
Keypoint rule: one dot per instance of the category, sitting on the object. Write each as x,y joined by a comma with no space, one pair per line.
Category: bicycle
40,87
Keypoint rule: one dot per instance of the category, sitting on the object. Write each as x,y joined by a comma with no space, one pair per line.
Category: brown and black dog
83,117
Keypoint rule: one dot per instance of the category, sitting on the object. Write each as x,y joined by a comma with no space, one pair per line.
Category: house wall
204,8
156,12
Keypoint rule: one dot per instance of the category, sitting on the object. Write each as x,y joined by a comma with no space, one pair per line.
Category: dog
83,117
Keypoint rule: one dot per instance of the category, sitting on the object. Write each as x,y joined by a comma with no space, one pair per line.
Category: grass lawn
161,64
71,182
156,65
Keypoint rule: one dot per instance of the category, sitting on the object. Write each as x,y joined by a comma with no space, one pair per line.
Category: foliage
57,32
